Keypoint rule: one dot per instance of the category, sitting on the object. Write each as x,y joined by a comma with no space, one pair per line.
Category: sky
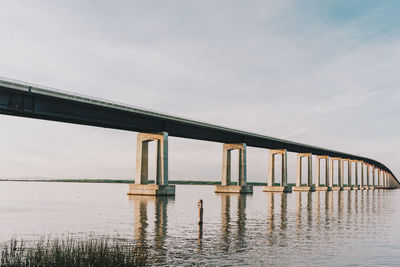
324,73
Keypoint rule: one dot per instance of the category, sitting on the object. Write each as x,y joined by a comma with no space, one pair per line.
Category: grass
72,252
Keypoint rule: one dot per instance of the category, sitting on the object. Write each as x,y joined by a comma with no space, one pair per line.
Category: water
356,228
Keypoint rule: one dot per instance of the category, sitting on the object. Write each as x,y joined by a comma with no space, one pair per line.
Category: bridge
29,100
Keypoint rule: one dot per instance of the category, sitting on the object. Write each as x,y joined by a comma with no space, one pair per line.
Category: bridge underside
31,102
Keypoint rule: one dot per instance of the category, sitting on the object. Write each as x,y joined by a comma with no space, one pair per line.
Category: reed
69,251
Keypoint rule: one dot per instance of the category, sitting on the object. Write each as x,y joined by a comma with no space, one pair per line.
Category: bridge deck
34,101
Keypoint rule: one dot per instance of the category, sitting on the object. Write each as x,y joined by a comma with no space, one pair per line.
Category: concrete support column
348,186
373,176
340,173
226,164
283,187
379,178
299,186
241,186
385,180
355,187
362,176
318,186
349,172
141,186
142,162
368,175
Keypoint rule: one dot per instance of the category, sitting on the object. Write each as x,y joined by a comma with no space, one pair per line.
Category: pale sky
324,73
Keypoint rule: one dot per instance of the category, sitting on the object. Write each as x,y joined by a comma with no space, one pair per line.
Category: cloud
278,68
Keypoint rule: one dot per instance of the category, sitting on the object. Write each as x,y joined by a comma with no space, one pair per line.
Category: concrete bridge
34,101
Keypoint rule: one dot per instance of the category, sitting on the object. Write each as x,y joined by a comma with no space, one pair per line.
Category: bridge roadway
23,99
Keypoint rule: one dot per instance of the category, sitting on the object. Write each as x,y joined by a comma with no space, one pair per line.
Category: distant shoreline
120,181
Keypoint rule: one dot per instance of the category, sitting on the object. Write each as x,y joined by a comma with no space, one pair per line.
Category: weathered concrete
356,179
347,188
337,188
277,189
340,173
368,166
362,174
371,187
241,186
299,186
318,179
349,174
241,189
355,187
283,187
323,188
151,190
372,183
303,188
142,186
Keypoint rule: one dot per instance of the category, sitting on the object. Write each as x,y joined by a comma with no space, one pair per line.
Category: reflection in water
283,213
328,207
299,212
241,221
290,220
309,211
270,215
226,221
272,230
340,209
318,209
160,223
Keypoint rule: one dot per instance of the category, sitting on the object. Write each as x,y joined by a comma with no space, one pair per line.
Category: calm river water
302,229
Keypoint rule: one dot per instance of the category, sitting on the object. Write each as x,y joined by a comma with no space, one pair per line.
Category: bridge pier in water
226,186
299,186
368,176
339,185
362,184
282,187
318,186
141,185
356,186
348,185
373,186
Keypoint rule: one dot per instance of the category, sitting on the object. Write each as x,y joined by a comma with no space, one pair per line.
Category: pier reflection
302,218
141,223
233,232
276,225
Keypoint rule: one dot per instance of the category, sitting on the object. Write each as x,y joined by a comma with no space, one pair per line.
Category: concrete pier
379,179
326,186
299,186
348,185
241,186
356,186
339,185
368,169
142,186
362,176
282,187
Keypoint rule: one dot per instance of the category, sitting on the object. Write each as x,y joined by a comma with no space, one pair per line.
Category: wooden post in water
200,205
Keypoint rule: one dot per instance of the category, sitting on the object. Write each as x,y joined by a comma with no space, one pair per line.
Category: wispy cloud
320,72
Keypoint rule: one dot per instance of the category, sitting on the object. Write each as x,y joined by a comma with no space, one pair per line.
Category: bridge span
28,100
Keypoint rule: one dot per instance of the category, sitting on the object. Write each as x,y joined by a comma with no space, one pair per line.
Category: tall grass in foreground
72,252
